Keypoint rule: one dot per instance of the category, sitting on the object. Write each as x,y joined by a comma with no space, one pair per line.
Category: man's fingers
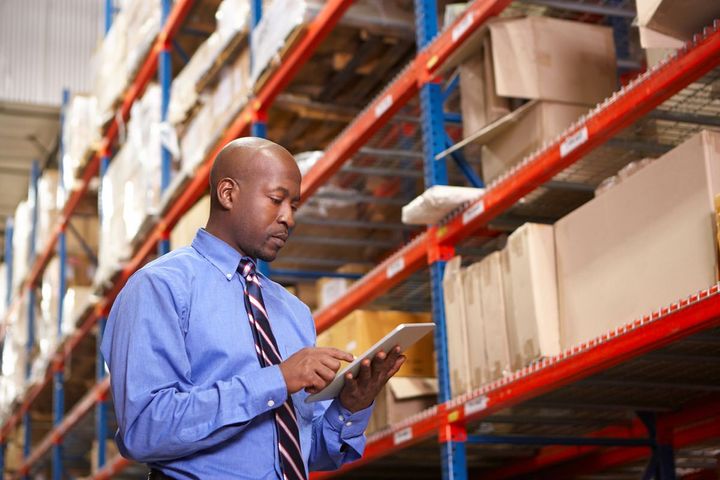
337,353
365,371
396,367
330,362
327,374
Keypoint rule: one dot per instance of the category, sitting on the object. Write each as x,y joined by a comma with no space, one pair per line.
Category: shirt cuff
269,390
347,423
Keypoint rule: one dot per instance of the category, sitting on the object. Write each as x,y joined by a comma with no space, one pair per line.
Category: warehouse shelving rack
449,419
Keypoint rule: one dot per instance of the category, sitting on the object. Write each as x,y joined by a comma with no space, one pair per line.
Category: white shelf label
395,267
473,212
476,405
573,141
402,436
462,27
383,105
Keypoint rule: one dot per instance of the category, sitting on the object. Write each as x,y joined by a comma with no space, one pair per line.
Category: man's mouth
280,239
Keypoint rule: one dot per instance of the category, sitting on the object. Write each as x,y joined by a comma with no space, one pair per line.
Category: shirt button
271,403
341,418
229,275
348,424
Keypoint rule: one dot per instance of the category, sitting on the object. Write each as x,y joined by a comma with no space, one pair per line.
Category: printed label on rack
462,27
395,267
402,435
383,106
476,405
573,141
473,211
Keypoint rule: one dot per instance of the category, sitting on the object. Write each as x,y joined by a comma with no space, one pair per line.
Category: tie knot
246,267
248,270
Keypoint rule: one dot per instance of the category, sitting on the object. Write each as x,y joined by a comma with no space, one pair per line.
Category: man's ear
225,191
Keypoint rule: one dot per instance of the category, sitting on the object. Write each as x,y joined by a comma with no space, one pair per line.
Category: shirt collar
224,257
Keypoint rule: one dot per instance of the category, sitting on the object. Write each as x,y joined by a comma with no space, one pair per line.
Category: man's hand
359,393
312,368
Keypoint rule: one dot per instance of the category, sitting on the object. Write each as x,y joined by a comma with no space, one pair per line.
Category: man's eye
294,208
276,201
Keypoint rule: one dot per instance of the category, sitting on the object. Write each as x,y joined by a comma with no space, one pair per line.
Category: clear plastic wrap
81,133
22,222
232,19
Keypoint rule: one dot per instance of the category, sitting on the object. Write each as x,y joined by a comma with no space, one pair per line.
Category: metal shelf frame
447,420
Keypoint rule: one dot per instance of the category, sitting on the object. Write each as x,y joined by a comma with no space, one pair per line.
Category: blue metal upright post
258,126
58,375
101,428
433,128
165,79
109,12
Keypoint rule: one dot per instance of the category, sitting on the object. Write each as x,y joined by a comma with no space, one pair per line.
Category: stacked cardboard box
360,330
184,232
640,245
401,398
533,58
414,387
668,23
501,312
329,289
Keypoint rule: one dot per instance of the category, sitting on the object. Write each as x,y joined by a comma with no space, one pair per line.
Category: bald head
254,192
244,160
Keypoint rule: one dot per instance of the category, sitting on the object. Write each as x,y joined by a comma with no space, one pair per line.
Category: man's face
263,215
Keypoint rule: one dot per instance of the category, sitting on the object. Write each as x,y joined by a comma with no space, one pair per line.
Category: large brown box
535,58
360,330
533,321
522,132
678,20
474,319
184,232
401,398
493,299
641,245
456,327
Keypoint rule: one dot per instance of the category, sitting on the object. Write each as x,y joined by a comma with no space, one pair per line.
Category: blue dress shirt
189,394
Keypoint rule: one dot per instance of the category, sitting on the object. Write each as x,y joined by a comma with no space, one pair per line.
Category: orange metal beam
694,314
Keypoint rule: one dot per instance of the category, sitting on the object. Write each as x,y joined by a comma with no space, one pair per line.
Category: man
211,361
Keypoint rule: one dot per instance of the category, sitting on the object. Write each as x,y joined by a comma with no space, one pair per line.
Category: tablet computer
404,335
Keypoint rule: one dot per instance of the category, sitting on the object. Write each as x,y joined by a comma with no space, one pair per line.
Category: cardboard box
493,299
330,289
508,141
360,330
479,102
184,232
641,245
538,58
535,58
476,338
533,320
402,398
457,334
677,20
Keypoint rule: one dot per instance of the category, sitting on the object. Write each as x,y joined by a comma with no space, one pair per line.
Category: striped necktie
268,354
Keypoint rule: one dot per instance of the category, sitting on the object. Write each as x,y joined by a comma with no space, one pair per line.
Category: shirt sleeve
338,435
161,414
